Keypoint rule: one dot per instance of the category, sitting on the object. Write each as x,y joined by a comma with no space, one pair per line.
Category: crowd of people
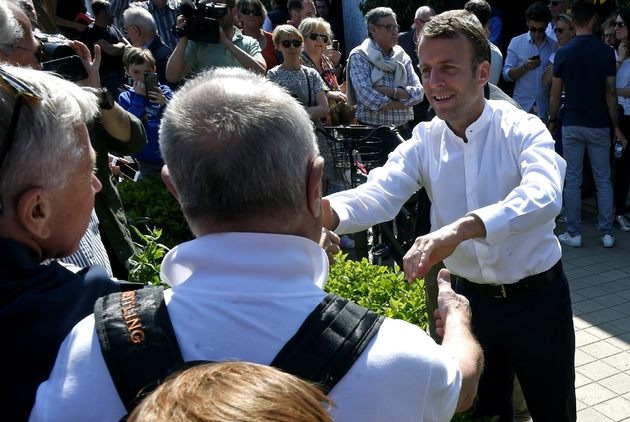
226,101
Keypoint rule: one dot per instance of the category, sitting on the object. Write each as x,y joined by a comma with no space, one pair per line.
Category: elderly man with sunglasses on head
380,76
524,61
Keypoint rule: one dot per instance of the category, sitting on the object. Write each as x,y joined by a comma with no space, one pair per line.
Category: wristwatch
396,94
106,99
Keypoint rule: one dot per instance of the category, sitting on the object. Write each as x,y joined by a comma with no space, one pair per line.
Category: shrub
380,289
149,204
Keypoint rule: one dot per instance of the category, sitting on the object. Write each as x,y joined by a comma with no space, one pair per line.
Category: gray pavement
599,279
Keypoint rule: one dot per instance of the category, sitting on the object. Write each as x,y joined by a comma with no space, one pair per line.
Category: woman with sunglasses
565,32
317,36
621,180
304,84
252,14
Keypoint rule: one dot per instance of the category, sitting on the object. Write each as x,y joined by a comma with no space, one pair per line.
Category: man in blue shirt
525,56
380,77
590,106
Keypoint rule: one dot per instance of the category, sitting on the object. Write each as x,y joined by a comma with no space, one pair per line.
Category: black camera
201,20
60,58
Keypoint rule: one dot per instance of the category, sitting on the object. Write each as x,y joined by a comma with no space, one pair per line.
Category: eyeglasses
389,28
251,12
560,30
22,92
287,43
314,36
620,24
39,53
555,3
539,30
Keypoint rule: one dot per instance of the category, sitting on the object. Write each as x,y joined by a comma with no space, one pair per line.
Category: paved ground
600,290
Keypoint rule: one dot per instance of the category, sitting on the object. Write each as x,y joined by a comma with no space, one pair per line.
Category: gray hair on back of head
238,148
45,150
141,18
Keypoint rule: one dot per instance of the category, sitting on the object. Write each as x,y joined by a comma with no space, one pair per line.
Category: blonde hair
234,392
309,25
285,29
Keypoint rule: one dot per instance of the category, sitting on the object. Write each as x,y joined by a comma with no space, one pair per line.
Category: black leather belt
527,283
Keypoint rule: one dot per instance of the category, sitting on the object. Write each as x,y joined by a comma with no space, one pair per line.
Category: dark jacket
39,305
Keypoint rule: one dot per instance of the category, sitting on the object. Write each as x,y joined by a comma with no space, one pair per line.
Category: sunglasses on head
539,30
251,12
287,43
620,24
22,93
314,36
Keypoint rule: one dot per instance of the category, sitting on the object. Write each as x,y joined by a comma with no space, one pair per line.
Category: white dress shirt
507,174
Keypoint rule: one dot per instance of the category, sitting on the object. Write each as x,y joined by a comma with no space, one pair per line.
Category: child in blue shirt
147,107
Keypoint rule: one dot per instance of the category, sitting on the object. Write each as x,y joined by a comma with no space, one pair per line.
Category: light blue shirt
529,89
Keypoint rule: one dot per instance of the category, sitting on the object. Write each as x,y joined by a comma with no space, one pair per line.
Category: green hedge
149,204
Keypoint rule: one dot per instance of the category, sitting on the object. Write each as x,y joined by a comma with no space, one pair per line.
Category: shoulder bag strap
329,341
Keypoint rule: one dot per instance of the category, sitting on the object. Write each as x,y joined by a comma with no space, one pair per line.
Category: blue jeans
575,140
530,334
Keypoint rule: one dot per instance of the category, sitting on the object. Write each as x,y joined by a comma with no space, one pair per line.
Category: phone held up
126,170
536,57
335,45
150,82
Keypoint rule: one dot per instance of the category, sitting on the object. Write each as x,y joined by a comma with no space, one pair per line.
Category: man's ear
484,72
34,211
166,178
314,187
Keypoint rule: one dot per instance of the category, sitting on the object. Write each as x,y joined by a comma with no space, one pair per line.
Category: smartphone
150,82
70,68
336,45
537,57
126,170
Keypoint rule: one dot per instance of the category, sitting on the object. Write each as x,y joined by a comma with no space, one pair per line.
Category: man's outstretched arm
453,323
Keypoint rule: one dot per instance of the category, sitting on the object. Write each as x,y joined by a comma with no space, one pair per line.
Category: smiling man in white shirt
495,183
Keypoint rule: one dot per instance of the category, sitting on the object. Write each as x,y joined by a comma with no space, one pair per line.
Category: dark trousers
529,334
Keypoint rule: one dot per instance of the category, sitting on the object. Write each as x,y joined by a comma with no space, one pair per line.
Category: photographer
233,49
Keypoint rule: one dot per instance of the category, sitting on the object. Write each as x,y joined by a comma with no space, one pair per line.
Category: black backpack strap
329,341
137,341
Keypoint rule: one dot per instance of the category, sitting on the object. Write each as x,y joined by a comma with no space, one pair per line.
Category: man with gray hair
234,276
18,45
140,28
47,188
380,76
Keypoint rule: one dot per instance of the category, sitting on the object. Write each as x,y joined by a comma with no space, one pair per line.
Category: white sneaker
622,223
567,239
608,241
